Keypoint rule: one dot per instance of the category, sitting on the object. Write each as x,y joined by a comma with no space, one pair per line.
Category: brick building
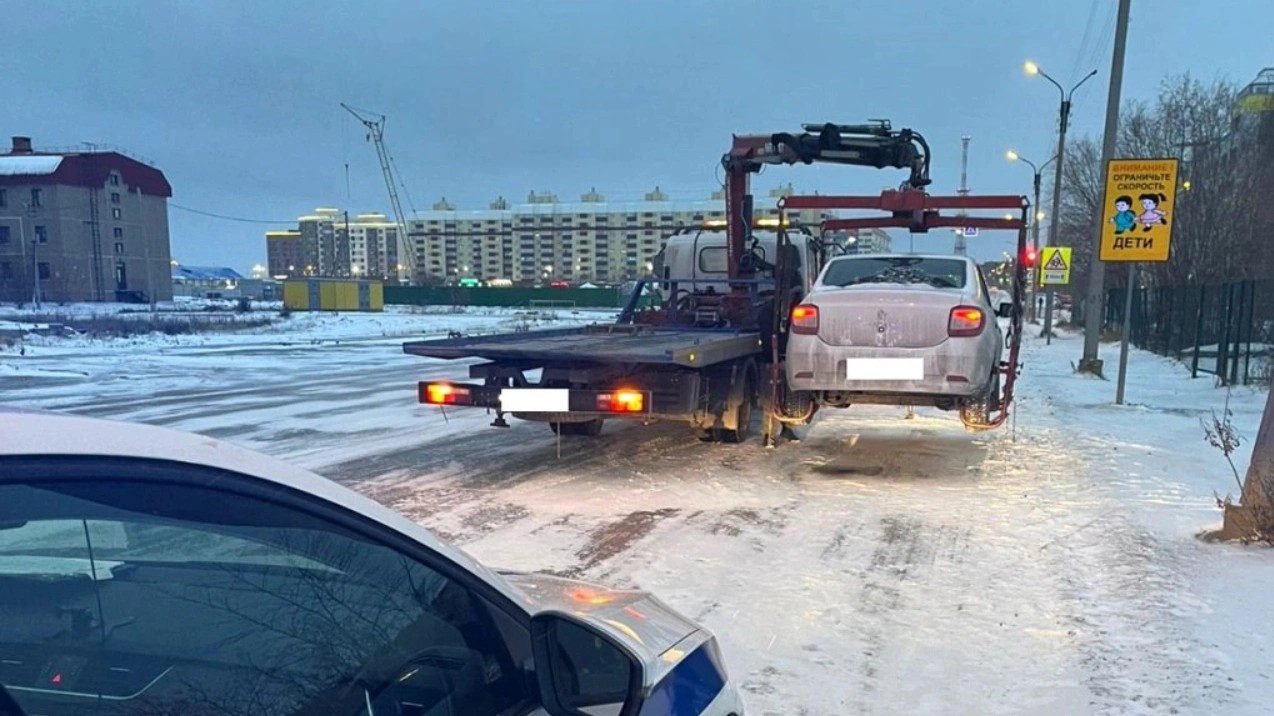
83,225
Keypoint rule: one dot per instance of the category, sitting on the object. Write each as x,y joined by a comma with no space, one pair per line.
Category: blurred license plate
885,369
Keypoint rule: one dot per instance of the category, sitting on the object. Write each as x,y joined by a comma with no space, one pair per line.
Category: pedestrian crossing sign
1055,267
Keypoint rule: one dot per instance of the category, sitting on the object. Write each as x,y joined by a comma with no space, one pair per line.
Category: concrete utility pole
1094,300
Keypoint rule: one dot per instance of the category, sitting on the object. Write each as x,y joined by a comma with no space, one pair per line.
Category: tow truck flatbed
601,343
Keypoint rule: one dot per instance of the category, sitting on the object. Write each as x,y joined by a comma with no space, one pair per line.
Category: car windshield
123,598
936,272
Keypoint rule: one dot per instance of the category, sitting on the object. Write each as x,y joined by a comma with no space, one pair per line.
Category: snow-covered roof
29,165
205,273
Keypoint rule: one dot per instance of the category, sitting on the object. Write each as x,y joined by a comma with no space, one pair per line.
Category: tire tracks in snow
460,484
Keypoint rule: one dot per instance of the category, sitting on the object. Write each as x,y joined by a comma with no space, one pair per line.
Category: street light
1039,217
1064,112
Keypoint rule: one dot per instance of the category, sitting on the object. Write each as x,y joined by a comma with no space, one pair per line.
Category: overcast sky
238,102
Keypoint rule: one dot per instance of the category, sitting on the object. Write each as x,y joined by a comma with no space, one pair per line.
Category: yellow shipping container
327,296
318,294
348,299
296,296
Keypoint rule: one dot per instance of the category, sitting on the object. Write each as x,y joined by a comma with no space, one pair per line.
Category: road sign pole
1033,314
1125,332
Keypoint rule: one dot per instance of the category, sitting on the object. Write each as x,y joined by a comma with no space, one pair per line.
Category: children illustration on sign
1152,214
1125,219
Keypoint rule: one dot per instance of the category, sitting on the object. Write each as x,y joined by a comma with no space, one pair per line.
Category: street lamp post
1064,112
1039,216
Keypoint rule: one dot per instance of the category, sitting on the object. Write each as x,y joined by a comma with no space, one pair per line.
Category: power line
1097,52
1081,56
230,218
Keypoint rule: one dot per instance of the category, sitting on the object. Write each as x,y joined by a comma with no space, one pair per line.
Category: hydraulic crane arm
874,144
866,145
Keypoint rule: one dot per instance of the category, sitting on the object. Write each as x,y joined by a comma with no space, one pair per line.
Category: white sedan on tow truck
144,570
899,329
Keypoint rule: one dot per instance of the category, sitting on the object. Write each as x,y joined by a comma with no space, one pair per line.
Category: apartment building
283,254
334,243
866,241
543,239
82,225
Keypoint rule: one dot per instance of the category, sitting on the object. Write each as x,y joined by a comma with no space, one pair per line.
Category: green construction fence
504,297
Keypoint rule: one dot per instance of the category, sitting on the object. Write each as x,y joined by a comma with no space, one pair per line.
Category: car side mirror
1004,310
582,671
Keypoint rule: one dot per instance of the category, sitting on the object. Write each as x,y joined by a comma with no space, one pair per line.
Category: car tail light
966,321
443,394
805,319
622,401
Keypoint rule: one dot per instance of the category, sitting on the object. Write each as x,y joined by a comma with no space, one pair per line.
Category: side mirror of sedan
1004,310
581,671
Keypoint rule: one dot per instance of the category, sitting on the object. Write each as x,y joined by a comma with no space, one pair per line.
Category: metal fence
1224,330
611,297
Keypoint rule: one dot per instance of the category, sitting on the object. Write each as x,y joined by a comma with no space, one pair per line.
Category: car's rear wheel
977,411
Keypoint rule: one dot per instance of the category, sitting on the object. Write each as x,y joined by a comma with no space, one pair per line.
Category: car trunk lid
896,317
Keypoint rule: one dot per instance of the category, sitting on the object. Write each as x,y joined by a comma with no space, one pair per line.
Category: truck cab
696,258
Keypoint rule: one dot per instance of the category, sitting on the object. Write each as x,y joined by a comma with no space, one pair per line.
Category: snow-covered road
881,565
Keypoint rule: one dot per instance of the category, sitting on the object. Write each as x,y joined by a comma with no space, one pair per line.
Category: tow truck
711,354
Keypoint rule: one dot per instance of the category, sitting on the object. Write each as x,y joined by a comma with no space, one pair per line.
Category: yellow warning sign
1138,210
1055,268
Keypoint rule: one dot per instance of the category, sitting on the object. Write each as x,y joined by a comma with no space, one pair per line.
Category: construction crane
375,124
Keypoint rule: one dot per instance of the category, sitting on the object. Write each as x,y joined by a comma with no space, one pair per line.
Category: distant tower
961,249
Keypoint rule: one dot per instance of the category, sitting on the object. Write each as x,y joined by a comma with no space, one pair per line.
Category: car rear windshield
936,272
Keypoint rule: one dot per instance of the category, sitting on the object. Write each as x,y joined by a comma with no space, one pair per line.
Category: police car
144,570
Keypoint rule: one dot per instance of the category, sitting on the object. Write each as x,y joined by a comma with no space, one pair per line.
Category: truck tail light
443,394
805,319
966,321
622,401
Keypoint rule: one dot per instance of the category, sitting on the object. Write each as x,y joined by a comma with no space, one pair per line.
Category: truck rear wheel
742,412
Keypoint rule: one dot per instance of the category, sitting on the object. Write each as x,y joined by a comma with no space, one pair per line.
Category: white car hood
652,629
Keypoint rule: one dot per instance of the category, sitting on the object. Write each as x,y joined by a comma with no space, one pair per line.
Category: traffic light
1029,257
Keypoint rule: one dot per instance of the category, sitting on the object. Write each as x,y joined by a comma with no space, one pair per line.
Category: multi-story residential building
333,243
322,254
867,241
544,239
283,254
373,246
82,225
